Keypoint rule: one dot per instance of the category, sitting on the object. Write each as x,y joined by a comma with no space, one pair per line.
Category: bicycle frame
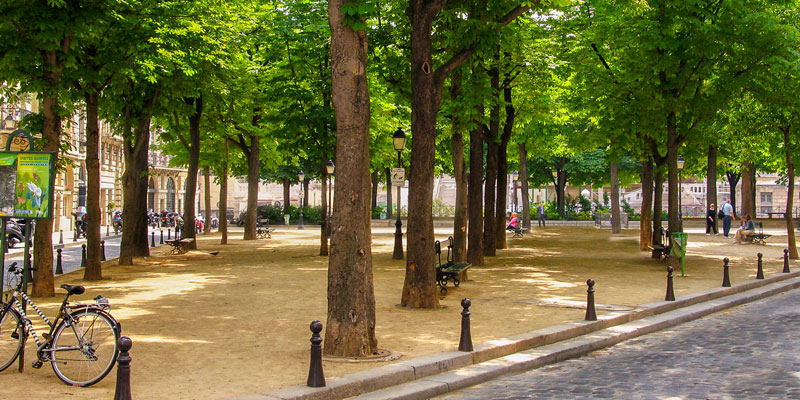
28,328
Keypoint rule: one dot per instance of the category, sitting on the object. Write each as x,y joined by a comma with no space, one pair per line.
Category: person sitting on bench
512,226
747,229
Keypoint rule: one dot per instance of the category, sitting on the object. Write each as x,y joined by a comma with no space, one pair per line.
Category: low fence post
83,255
59,268
670,290
316,378
123,388
760,272
591,314
786,261
60,236
465,342
103,250
162,237
726,277
152,239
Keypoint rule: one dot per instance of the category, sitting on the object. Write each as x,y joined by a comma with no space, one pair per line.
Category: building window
170,195
766,197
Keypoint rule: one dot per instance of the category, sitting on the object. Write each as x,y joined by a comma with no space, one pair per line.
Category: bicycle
81,345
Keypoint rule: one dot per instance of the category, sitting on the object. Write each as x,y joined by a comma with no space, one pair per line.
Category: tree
350,328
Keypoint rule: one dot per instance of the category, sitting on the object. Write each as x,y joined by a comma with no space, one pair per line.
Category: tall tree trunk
193,147
223,199
502,170
374,179
475,196
645,226
350,330
748,189
135,178
658,207
523,175
207,198
252,187
733,181
460,172
93,271
490,200
323,237
615,217
561,184
286,196
672,178
787,146
711,180
43,282
306,182
389,203
419,289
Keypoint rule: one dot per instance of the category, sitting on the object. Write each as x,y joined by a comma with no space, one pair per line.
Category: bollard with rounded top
591,314
786,261
670,290
152,239
102,250
169,233
760,272
59,268
83,255
75,235
60,236
123,389
726,276
465,342
108,230
316,378
162,237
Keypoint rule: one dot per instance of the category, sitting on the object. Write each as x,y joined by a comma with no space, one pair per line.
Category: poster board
26,184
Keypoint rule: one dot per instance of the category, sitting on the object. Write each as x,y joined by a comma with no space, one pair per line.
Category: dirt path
207,327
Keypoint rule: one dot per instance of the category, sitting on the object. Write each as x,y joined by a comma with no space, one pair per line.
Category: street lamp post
514,179
301,177
329,168
399,142
680,192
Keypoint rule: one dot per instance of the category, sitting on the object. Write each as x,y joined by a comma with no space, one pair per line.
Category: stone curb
439,373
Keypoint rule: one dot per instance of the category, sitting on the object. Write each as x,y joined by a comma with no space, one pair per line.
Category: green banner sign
26,184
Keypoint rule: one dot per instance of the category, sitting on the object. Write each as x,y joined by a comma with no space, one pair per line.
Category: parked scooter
116,221
80,222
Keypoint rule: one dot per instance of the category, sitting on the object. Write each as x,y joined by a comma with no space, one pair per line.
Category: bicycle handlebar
14,269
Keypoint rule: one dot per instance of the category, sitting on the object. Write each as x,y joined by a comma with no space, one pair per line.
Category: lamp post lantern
301,177
681,162
329,166
399,142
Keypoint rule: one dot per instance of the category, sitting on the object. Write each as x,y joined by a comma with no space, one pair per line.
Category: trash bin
286,219
679,240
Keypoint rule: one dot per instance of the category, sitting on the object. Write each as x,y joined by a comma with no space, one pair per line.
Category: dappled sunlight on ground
220,326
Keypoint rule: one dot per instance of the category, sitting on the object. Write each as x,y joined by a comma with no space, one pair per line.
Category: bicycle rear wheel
11,337
85,352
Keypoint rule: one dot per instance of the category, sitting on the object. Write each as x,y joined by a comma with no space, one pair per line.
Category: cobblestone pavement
750,352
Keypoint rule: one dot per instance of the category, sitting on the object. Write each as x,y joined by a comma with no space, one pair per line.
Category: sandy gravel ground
208,327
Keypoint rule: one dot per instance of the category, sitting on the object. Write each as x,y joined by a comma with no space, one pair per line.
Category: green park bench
450,270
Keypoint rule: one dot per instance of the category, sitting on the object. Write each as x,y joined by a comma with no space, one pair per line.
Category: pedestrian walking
540,214
727,217
711,220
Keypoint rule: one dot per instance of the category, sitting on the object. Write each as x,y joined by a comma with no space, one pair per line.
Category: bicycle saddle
73,289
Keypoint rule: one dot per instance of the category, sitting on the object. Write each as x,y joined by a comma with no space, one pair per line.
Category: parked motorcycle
80,222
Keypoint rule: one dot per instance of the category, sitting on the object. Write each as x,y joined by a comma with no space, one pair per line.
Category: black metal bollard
103,250
162,237
760,273
670,290
152,239
60,236
591,314
786,261
316,378
123,388
465,342
169,233
726,276
83,255
75,235
108,230
59,268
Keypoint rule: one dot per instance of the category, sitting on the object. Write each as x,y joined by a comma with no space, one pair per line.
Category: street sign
398,176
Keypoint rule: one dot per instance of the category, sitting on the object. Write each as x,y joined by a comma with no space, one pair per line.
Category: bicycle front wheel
11,337
84,352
